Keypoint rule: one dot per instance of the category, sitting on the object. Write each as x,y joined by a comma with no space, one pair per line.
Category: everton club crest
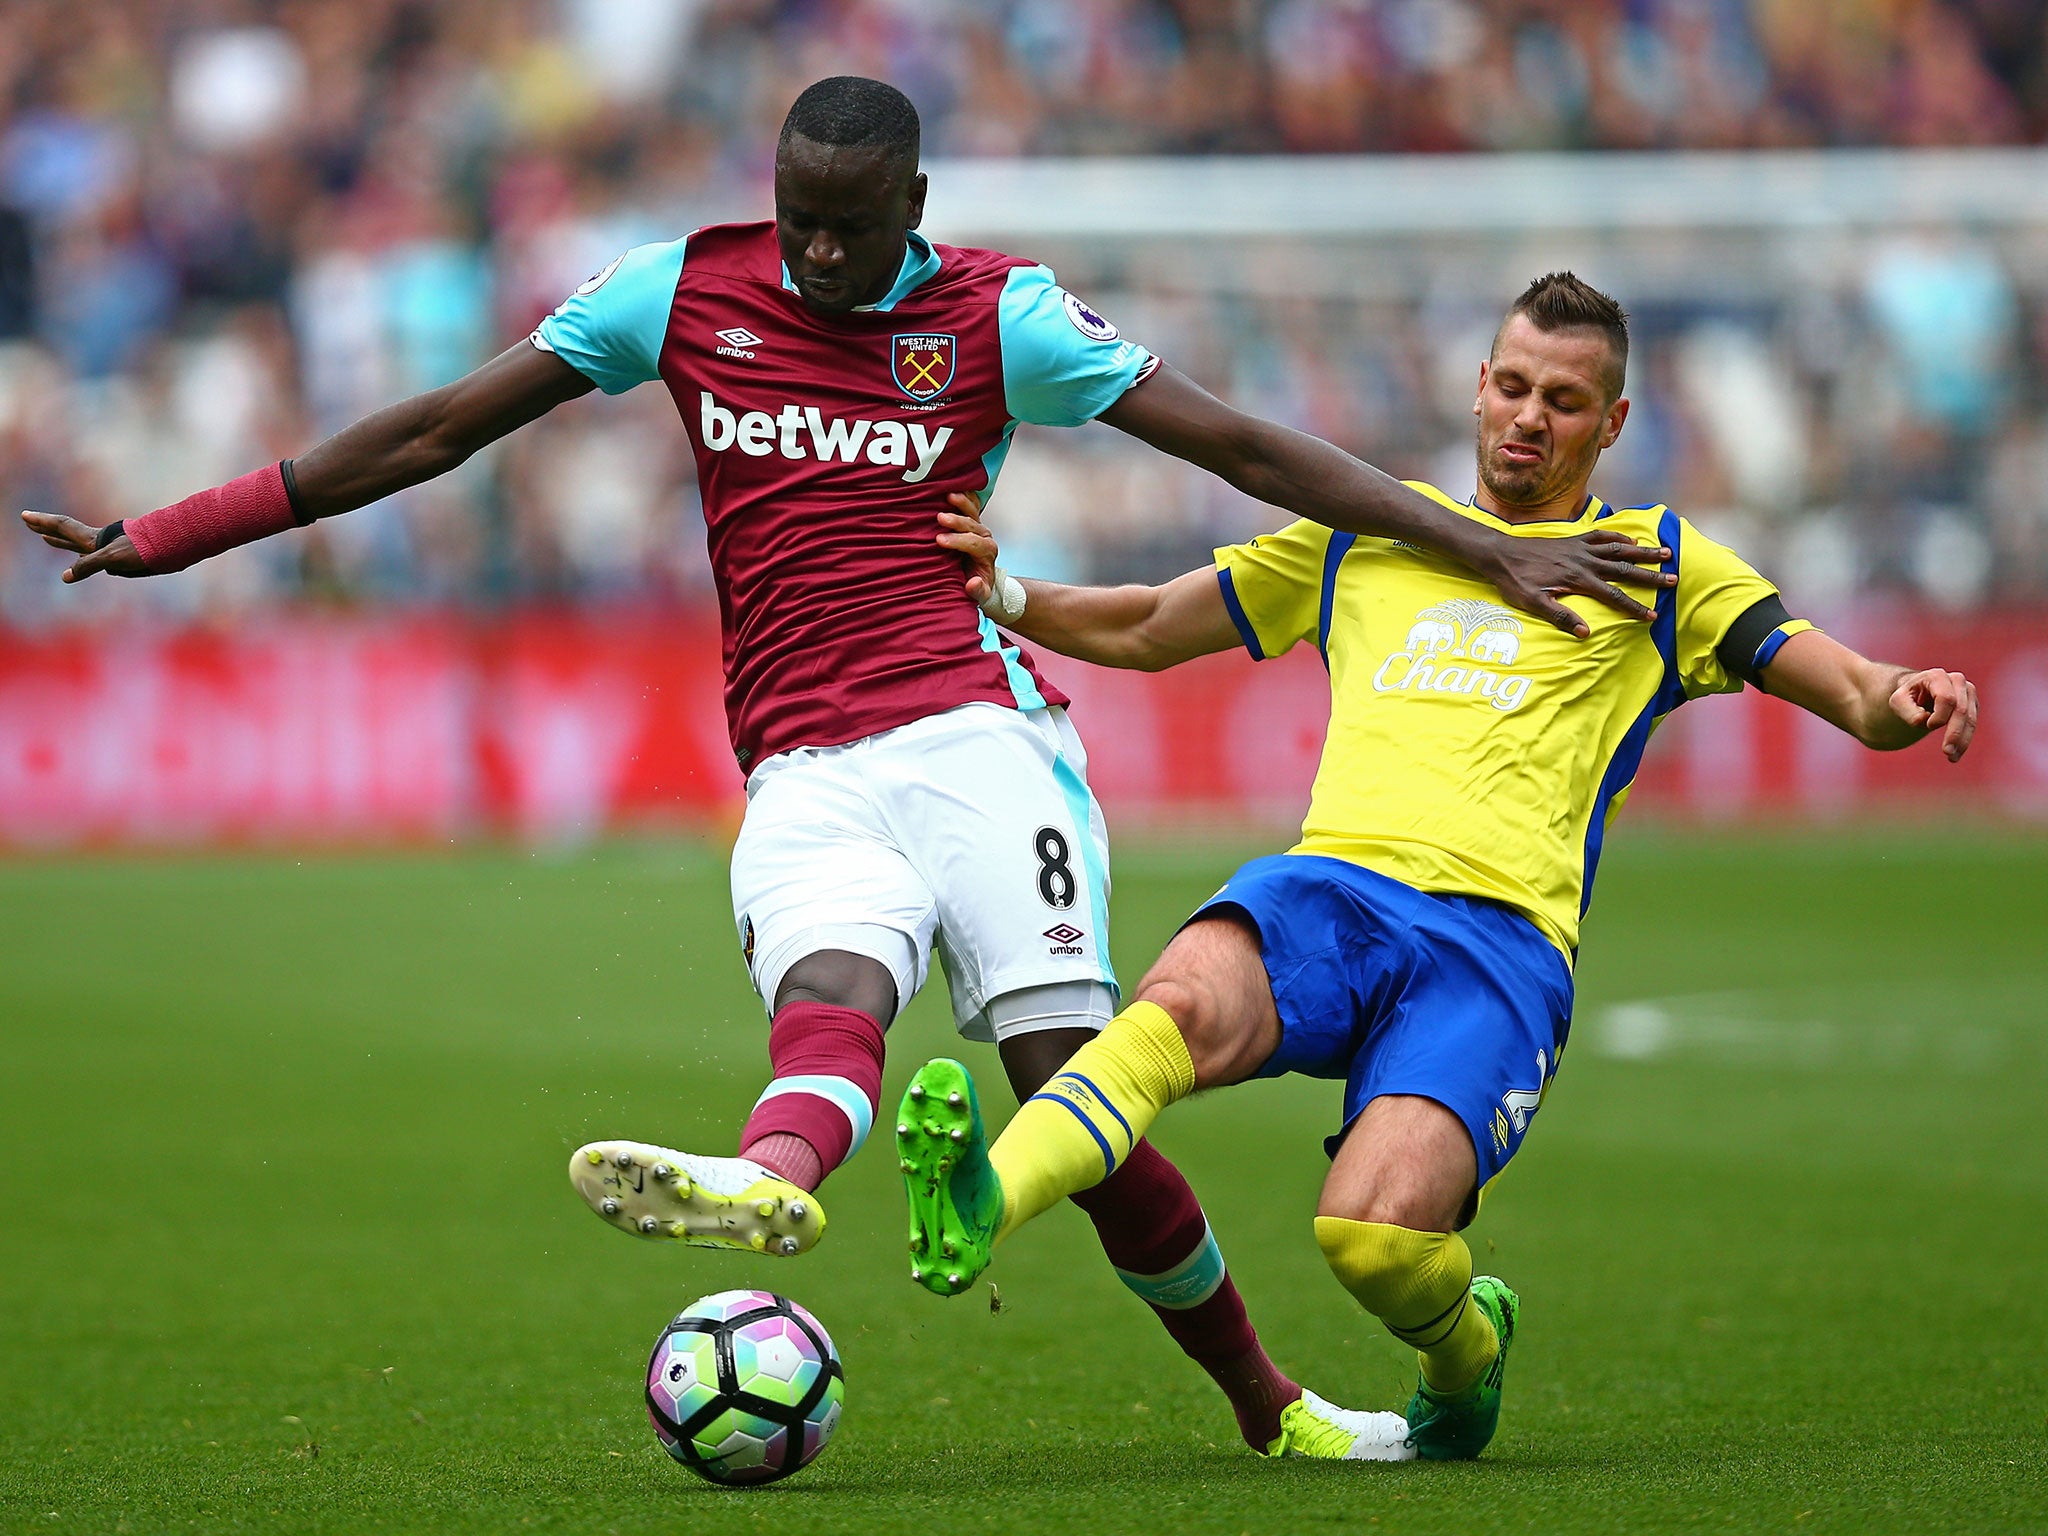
923,365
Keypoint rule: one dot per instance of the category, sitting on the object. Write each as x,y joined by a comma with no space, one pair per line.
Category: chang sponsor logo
803,432
1455,648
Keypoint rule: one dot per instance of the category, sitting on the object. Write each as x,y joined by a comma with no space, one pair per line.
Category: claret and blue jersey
825,448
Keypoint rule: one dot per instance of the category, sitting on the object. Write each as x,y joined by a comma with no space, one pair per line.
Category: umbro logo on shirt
737,341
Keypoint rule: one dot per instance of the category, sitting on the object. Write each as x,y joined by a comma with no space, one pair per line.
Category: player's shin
1152,1228
1419,1285
821,1105
1083,1124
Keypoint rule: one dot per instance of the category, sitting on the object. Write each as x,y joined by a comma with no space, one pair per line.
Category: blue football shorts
1396,991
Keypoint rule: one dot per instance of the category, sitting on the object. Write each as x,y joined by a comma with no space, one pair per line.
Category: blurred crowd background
227,229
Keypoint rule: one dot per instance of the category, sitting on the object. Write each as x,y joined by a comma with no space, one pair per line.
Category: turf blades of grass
285,1243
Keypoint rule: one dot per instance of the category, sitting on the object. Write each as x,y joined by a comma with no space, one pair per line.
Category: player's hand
963,532
1534,573
119,558
1939,701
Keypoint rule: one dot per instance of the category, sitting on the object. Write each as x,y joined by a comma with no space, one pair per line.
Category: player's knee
840,979
1192,1006
1211,981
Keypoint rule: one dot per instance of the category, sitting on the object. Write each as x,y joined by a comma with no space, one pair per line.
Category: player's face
840,218
1544,415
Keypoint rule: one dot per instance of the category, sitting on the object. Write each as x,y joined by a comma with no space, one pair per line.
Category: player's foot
1455,1426
707,1202
956,1200
1314,1428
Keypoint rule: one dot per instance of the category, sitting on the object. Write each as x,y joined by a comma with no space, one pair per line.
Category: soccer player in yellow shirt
1418,941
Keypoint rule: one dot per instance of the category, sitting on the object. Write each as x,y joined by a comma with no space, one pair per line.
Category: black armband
108,534
1742,649
291,494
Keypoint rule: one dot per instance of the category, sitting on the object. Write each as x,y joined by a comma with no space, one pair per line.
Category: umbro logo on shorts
737,342
1065,939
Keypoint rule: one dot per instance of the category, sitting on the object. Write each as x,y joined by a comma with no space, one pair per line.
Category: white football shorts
973,829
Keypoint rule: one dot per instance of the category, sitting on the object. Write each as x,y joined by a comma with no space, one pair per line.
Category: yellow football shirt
1474,750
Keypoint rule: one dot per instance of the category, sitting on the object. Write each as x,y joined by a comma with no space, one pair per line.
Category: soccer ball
744,1387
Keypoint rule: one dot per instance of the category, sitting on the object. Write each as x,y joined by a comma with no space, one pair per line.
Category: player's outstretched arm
386,451
1884,707
1146,628
1313,479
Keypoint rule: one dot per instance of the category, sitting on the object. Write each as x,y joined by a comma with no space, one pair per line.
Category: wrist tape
208,522
1005,600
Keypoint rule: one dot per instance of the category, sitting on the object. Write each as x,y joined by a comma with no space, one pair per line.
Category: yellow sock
1073,1132
1420,1285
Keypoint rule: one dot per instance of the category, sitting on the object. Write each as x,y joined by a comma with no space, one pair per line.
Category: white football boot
1326,1432
706,1202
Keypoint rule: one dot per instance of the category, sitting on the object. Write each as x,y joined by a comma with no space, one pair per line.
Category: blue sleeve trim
611,330
1769,649
1063,364
1235,609
1340,546
1664,628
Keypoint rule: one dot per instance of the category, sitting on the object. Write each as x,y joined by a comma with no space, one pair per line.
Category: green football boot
956,1200
1456,1426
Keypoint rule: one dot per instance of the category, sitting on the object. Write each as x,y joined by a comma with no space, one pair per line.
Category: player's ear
918,185
1480,393
1617,413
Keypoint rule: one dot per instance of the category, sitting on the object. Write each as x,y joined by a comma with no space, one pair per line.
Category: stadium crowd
229,227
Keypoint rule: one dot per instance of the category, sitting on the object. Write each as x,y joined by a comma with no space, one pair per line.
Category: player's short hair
1562,301
849,111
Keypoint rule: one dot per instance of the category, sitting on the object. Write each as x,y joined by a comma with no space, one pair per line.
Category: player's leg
1204,1017
825,1050
1400,1186
835,927
1152,1228
1463,1044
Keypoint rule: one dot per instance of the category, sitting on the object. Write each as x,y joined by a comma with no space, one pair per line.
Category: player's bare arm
1315,480
1144,628
1883,706
387,451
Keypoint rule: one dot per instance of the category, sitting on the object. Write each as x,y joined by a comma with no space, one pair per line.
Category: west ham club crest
922,365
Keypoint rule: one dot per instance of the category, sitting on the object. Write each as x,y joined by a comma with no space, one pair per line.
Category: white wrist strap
1005,600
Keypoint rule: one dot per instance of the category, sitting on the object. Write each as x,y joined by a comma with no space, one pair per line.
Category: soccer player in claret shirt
1418,942
912,781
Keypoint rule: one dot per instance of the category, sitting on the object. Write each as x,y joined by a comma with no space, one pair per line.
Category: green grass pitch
286,1243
